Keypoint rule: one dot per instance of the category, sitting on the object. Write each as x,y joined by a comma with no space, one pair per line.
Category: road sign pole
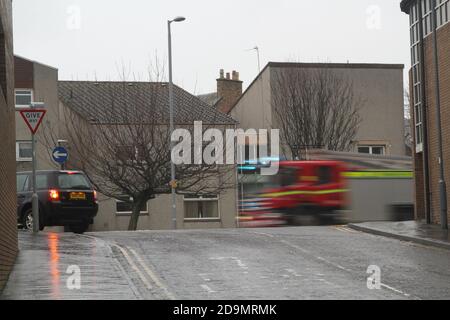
63,165
33,117
34,198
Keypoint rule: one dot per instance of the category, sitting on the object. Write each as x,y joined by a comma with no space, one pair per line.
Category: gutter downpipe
442,184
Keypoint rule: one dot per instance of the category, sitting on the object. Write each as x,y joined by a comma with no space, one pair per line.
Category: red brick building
8,220
423,95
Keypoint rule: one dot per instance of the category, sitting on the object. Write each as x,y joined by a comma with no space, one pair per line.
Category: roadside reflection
53,242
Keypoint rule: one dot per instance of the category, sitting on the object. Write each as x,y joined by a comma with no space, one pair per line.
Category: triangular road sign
33,118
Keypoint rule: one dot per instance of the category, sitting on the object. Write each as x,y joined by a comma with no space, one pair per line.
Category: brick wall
23,73
444,73
8,222
229,90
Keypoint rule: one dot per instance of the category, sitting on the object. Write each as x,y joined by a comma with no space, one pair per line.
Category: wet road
48,264
284,263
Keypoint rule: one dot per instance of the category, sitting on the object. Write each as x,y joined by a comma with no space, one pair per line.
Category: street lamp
171,107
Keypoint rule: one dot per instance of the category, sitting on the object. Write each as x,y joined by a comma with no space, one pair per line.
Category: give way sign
33,118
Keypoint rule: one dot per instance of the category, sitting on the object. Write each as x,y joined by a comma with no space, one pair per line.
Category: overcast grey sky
84,38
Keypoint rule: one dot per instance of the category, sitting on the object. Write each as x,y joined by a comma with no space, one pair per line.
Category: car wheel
306,220
27,220
79,228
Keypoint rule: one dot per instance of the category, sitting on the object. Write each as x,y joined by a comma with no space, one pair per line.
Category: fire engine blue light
247,168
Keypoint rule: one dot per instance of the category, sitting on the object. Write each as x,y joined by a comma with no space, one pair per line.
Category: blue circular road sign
60,155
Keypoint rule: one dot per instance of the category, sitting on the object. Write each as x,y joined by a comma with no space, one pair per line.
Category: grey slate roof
210,98
119,102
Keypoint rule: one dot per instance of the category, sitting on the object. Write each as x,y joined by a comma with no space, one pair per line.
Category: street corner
66,266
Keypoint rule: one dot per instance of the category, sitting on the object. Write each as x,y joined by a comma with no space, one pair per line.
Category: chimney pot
229,90
221,74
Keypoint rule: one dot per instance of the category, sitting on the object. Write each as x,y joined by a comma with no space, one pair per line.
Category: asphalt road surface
280,263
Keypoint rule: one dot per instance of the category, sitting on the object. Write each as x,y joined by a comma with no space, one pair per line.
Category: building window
416,98
125,208
127,154
377,150
442,14
24,151
24,97
421,14
201,208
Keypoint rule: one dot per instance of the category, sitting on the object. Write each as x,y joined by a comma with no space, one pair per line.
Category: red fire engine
303,192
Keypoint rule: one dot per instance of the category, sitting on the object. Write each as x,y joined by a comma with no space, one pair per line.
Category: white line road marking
293,272
237,260
151,274
135,268
206,288
264,234
346,269
399,291
345,229
205,277
294,246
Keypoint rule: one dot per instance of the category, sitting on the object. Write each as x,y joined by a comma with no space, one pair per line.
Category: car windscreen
73,181
286,176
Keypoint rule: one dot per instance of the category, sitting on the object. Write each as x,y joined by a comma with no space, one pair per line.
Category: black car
66,198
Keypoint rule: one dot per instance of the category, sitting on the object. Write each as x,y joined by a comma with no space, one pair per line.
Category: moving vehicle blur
303,192
327,188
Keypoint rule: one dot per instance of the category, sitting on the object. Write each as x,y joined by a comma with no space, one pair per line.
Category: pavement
45,266
327,262
414,231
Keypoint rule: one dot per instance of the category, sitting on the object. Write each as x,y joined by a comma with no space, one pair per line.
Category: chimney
229,90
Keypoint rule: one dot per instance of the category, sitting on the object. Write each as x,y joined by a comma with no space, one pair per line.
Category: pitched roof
210,98
123,102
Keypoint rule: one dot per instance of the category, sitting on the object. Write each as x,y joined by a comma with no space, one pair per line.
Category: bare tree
315,108
125,151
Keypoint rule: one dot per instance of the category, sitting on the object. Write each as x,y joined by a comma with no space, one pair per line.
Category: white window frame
18,158
370,149
24,89
127,213
441,5
201,199
136,155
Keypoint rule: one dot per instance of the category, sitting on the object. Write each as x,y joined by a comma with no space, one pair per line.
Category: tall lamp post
171,107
